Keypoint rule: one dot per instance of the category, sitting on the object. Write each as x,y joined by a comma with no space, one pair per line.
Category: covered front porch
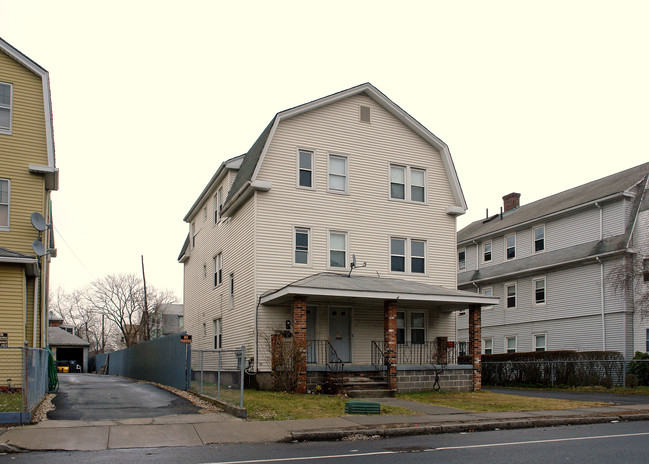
398,330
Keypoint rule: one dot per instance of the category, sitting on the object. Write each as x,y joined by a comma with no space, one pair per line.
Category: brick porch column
390,339
299,338
475,344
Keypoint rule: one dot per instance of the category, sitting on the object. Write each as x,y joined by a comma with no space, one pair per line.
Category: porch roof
332,285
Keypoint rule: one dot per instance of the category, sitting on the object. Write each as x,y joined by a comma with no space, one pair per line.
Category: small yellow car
62,366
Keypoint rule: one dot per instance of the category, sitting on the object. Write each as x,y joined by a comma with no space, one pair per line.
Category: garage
68,349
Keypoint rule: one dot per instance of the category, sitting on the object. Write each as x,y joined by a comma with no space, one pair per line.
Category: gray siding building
553,264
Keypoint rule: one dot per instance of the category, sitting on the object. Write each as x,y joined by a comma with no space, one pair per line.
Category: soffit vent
365,114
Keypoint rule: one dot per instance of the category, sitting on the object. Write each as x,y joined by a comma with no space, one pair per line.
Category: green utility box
362,407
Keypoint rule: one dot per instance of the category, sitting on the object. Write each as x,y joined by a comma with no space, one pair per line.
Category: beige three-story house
27,177
338,225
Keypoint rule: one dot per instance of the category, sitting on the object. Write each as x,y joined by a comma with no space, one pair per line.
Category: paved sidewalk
205,429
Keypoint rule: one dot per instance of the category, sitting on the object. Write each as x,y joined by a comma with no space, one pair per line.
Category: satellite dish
38,222
38,248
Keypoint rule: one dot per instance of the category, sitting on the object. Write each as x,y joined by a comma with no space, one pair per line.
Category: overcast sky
150,97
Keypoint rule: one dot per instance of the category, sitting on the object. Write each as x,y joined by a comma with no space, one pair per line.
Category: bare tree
72,309
156,300
631,278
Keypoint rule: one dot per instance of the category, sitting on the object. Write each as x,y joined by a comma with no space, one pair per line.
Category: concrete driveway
577,396
94,397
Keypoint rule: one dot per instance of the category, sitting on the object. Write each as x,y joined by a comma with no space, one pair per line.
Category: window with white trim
539,239
5,107
218,334
338,250
193,233
407,255
5,191
218,269
338,178
302,250
218,204
411,327
305,169
510,246
510,344
486,251
487,291
407,183
539,290
487,345
463,346
510,295
540,342
461,260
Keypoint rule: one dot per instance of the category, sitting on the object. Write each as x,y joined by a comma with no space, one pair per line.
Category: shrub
640,367
631,381
606,382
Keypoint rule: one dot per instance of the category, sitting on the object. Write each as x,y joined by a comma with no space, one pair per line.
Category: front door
340,331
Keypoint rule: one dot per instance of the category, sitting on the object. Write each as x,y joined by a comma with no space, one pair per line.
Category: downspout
36,307
601,291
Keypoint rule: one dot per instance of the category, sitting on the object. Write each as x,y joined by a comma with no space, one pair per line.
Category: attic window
365,113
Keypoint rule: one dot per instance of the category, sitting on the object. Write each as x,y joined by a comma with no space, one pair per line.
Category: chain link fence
596,372
24,378
219,374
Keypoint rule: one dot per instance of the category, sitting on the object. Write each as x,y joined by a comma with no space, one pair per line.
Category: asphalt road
577,396
103,397
609,443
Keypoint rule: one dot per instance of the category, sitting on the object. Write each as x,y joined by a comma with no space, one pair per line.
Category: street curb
481,426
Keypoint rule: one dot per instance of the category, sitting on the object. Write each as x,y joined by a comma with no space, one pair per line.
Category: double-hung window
510,295
218,334
302,248
338,250
539,239
539,290
510,344
407,183
487,345
4,204
401,328
5,108
486,251
510,246
218,204
218,269
411,327
305,169
338,179
407,255
540,342
461,260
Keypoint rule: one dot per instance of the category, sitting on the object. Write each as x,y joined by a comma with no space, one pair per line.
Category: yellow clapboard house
28,175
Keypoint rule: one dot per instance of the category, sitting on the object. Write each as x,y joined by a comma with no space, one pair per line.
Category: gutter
246,190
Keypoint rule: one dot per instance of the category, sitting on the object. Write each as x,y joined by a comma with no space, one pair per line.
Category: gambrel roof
598,190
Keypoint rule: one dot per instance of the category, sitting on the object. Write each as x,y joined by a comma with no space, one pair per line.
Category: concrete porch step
373,393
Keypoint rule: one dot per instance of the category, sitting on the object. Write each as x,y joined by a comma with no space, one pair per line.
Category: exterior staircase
366,385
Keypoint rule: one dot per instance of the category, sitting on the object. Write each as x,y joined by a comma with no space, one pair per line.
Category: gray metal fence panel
162,360
219,374
24,379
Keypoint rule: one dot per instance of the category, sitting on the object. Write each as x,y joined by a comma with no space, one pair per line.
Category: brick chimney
511,201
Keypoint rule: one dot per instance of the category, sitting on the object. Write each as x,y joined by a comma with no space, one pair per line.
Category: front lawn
485,401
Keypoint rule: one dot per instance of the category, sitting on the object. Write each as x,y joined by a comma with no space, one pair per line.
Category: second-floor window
338,179
4,204
510,295
338,250
305,169
218,334
407,255
218,269
486,251
510,344
461,260
301,252
539,290
539,239
5,107
407,183
510,246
